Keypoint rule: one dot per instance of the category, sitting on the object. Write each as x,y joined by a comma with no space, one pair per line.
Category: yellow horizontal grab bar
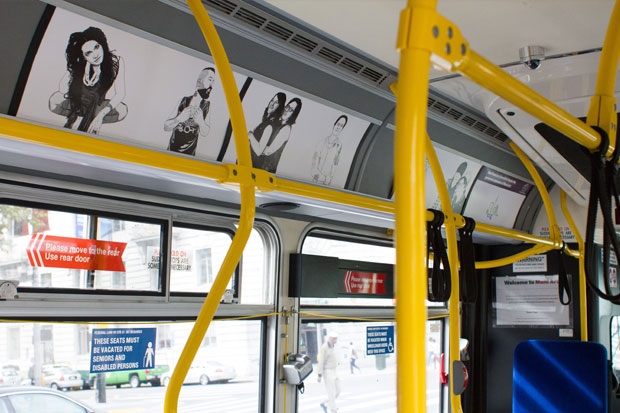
537,249
70,141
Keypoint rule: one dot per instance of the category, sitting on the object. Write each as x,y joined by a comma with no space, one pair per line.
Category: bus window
354,379
44,248
225,374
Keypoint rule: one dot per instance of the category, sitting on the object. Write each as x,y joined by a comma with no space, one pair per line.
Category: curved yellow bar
608,65
554,230
246,217
583,305
455,319
537,249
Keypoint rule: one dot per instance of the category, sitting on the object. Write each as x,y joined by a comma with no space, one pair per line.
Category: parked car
39,399
211,372
62,378
134,378
9,376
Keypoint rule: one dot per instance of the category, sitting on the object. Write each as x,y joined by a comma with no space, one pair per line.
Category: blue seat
559,376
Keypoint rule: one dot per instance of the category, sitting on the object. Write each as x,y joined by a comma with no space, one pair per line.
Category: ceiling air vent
224,6
250,18
502,137
351,65
454,114
468,120
372,75
480,126
329,55
301,42
491,132
278,31
430,102
440,107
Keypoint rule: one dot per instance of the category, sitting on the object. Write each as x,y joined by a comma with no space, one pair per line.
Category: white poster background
156,79
529,300
449,164
493,205
314,123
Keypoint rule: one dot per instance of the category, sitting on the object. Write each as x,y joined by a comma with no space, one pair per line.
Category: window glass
257,275
615,344
225,374
353,380
41,402
197,256
55,249
347,250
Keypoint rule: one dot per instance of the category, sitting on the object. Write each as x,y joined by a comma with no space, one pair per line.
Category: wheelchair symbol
390,346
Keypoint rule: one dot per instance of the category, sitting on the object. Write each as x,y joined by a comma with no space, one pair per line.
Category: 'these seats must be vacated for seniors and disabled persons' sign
75,253
116,349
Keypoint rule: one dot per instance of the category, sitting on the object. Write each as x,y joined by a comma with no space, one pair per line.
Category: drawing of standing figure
94,86
192,118
272,112
327,154
270,150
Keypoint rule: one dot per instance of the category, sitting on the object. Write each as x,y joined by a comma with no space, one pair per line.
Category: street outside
369,390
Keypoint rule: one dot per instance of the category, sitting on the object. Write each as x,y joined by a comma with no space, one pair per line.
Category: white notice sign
533,263
529,300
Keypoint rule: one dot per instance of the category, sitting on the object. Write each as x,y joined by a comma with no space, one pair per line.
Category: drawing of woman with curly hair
93,88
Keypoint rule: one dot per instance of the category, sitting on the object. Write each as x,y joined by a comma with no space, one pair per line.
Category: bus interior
420,208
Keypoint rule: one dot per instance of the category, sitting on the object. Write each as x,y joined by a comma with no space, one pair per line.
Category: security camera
532,56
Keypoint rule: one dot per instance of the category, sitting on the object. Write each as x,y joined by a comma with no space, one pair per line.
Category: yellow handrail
247,208
411,278
453,303
583,304
500,262
494,79
554,230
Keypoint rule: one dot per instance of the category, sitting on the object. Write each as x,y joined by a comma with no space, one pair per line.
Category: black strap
467,257
440,285
602,188
564,289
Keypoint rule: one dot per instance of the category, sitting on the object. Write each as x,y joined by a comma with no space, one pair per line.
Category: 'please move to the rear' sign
116,349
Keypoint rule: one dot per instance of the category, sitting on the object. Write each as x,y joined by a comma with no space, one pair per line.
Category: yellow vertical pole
247,208
583,304
454,303
411,275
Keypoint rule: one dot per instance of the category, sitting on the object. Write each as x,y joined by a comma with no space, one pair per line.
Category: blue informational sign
116,349
379,340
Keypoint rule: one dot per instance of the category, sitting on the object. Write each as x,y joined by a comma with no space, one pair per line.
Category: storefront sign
75,253
117,349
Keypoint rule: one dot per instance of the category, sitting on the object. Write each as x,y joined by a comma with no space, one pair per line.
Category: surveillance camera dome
532,56
533,64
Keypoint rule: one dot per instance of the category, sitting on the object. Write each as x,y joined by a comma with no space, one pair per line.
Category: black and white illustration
496,198
459,174
192,117
92,90
269,139
283,124
327,153
95,78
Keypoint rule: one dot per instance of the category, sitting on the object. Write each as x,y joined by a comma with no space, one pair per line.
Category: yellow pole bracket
425,29
242,175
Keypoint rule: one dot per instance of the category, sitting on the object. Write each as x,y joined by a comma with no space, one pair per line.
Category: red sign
364,282
75,253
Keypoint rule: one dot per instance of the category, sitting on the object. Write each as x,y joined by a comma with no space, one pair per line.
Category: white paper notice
529,300
533,263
